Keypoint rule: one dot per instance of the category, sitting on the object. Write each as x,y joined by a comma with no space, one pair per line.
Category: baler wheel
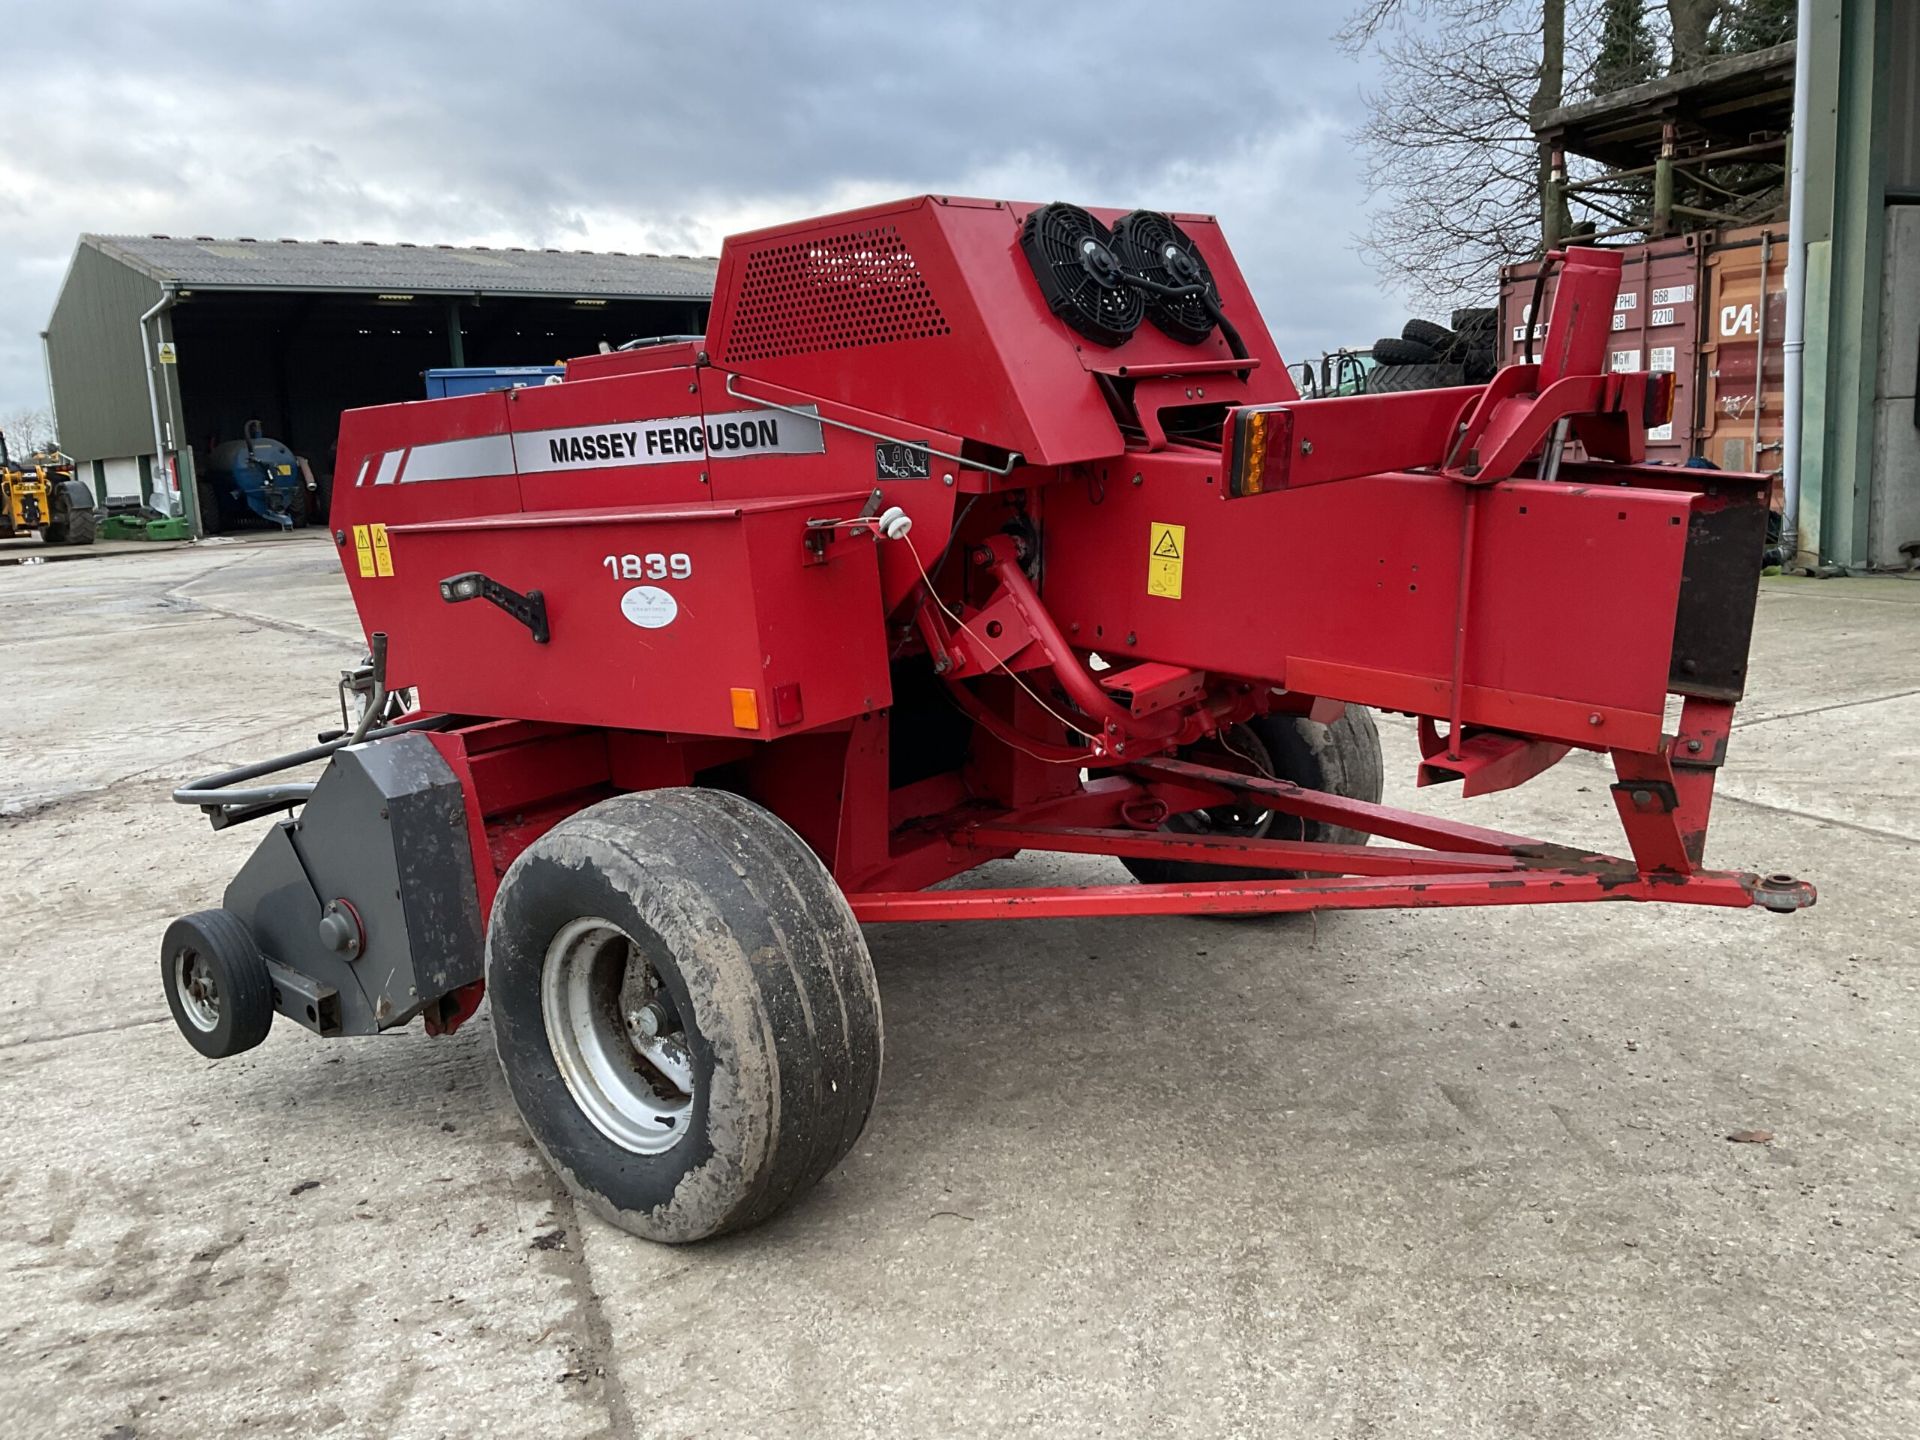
685,1011
217,983
1342,759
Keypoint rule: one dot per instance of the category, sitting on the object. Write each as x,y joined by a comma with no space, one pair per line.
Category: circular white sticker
649,607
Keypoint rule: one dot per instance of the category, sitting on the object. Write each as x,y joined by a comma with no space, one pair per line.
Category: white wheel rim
620,1046
199,993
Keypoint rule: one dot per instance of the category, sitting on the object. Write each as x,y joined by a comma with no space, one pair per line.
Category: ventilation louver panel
831,292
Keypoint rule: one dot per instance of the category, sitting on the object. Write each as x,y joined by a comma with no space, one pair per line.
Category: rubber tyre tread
209,508
81,527
1396,379
1341,759
1389,350
246,988
852,1067
770,973
1436,338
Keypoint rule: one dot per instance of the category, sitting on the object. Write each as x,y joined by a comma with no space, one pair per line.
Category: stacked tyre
1426,356
1477,338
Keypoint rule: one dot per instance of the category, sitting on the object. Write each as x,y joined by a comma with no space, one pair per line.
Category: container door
1742,357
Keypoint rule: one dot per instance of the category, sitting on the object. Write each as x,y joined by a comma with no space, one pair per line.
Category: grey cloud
602,125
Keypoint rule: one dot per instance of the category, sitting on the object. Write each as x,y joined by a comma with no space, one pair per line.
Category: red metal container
1692,304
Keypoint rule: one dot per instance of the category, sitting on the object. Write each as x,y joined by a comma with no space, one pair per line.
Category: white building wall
122,477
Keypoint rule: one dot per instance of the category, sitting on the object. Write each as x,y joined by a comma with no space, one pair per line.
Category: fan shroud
1150,244
1080,277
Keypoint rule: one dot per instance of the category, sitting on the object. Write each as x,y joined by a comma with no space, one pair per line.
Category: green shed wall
96,358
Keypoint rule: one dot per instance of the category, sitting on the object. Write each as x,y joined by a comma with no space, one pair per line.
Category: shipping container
1709,306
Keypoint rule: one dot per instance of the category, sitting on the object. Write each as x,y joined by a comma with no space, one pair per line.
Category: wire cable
1073,727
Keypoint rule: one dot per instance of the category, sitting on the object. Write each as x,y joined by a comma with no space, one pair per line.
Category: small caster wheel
216,982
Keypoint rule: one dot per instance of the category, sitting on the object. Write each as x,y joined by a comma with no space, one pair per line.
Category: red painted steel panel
927,311
1365,575
747,613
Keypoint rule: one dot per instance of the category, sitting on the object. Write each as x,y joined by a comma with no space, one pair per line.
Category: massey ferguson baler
969,528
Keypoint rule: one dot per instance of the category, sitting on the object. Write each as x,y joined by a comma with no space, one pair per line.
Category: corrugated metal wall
96,356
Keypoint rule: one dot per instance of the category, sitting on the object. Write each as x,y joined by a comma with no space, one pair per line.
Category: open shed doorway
295,360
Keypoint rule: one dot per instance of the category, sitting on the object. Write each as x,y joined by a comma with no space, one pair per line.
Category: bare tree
1451,157
1460,182
28,430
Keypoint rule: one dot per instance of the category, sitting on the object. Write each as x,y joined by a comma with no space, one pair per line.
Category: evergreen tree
1756,25
1627,54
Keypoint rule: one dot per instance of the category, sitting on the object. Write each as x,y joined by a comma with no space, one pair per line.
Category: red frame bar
1233,850
1486,867
1272,897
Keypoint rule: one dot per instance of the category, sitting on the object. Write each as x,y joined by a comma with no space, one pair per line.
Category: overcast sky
652,126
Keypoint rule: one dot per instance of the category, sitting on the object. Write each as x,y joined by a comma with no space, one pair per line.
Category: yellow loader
40,493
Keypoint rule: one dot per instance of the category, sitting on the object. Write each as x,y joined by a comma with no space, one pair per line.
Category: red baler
969,528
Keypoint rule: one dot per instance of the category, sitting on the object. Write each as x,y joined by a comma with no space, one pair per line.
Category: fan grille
832,292
1150,244
1072,258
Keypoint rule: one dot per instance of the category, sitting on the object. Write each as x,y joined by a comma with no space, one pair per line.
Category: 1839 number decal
677,566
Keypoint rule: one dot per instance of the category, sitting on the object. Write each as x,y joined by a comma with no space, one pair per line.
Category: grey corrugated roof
206,263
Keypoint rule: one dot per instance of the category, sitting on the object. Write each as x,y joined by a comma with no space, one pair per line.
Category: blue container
474,379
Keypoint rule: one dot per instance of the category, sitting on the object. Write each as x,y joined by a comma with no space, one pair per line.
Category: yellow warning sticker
286,469
1166,557
382,556
363,551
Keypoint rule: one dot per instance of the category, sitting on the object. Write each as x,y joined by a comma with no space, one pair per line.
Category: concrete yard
1454,1174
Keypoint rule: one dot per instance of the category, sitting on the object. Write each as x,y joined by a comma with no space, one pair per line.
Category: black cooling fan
1072,258
1147,243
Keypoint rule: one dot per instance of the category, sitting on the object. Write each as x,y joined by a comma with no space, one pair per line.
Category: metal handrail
1013,456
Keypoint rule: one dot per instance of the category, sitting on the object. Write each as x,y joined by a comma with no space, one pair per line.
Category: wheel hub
1239,749
199,992
620,1044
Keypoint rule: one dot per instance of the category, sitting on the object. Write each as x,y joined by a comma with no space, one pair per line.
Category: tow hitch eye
529,609
1782,894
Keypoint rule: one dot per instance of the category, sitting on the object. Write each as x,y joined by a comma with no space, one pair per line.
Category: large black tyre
71,526
298,506
1436,338
217,983
1393,379
1391,351
724,945
209,508
1342,759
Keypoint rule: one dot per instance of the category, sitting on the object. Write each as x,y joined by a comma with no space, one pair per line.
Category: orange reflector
1260,440
746,709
